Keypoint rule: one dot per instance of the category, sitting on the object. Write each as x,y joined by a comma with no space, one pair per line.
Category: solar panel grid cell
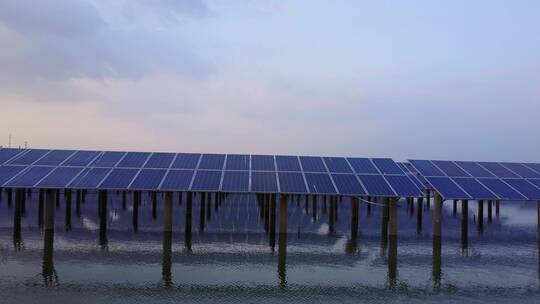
160,160
206,181
9,172
497,169
29,177
426,168
290,182
524,187
522,170
447,188
287,163
8,153
186,161
118,179
263,182
502,190
177,180
403,186
376,185
348,184
237,162
60,177
362,165
212,161
450,168
29,157
80,159
474,188
235,181
54,158
90,178
337,165
387,166
148,179
312,164
320,183
133,160
108,159
262,163
474,169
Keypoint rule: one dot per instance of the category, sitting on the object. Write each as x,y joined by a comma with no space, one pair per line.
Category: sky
402,79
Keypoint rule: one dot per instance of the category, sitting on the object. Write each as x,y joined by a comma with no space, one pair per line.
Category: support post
437,215
480,217
187,229
202,212
48,271
67,217
314,208
392,217
490,211
464,226
497,207
273,222
283,214
419,211
135,214
102,195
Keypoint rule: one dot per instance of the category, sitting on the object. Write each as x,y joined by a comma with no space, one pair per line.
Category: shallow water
119,258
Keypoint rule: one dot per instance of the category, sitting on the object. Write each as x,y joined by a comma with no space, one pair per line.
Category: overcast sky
403,79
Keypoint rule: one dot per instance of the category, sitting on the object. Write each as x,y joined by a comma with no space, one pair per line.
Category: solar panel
376,185
262,163
474,188
29,178
263,182
501,189
403,186
497,169
287,163
403,167
450,168
8,172
535,182
59,178
320,183
237,162
148,179
535,167
9,153
235,181
133,160
29,157
108,159
447,188
387,166
290,182
312,164
524,187
474,169
178,180
337,165
118,179
186,161
362,165
90,178
212,161
206,181
54,158
348,184
426,168
522,170
80,159
160,160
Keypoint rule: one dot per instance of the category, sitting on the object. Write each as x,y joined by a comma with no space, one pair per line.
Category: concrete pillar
314,208
411,210
153,196
41,207
336,208
266,213
57,198
480,216
202,212
464,226
9,197
216,202
419,211
497,208
124,202
437,215
272,222
47,270
490,211
166,260
325,207
428,201
17,213
384,226
282,249
49,209
392,262
78,204
167,212
331,217
187,229
354,218
392,217
135,214
436,264
102,197
283,214
67,216
454,208
208,207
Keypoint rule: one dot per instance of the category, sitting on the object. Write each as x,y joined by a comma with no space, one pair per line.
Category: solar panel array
481,180
41,168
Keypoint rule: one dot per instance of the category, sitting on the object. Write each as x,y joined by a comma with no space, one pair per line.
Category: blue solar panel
535,167
108,159
148,179
263,182
474,169
8,172
376,185
497,169
8,153
475,189
312,164
426,168
119,179
206,181
450,168
235,181
320,183
133,160
59,178
178,180
186,161
237,162
337,165
348,184
535,182
30,177
447,188
54,158
403,186
291,182
29,157
90,178
501,189
387,166
262,163
160,160
362,165
524,187
417,181
287,163
403,167
522,170
80,159
212,161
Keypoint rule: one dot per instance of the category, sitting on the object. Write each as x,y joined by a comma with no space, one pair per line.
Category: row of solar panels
480,180
203,172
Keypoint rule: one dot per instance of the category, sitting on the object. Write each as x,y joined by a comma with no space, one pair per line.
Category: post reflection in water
436,269
48,271
282,242
352,243
464,227
392,262
17,213
167,240
103,242
187,229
